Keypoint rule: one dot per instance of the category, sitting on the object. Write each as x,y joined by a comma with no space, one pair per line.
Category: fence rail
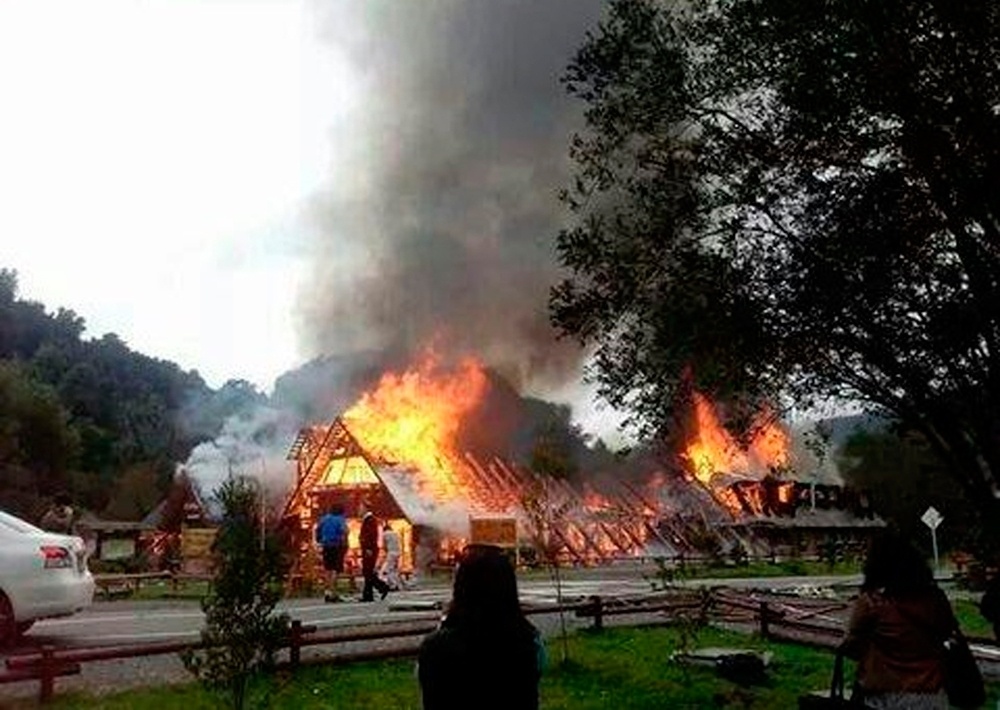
771,618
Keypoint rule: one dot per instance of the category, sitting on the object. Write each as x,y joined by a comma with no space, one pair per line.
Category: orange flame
714,450
594,501
413,419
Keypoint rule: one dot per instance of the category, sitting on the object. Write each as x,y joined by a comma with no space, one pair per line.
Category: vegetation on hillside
92,417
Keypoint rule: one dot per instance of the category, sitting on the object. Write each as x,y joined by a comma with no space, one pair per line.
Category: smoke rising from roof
441,221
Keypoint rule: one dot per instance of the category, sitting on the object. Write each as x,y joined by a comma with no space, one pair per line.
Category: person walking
392,546
485,654
331,534
369,559
897,629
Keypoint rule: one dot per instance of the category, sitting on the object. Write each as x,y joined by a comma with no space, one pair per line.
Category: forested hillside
91,416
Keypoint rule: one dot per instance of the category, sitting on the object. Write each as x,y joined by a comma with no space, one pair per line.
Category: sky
158,159
241,185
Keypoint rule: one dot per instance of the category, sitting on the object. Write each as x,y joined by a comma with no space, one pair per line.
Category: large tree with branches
791,201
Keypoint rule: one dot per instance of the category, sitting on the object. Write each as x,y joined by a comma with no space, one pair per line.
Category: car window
9,522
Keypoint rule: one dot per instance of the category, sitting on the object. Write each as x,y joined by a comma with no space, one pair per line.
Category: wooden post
598,613
47,673
764,612
295,644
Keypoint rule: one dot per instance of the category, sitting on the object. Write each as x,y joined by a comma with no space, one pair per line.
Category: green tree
903,478
135,493
242,631
794,201
38,446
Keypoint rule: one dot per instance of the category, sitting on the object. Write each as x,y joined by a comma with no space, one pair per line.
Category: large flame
713,450
413,418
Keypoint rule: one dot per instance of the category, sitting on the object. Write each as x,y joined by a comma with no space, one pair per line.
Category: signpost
932,518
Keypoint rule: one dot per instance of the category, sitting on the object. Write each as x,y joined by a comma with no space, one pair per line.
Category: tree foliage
904,478
37,444
242,631
79,414
794,202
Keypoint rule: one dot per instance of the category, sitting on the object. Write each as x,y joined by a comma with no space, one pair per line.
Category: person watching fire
369,558
331,534
485,654
390,566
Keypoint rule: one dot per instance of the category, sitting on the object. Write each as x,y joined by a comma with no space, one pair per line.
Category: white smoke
252,444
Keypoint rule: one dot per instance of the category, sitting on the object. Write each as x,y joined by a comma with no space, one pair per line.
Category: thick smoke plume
441,219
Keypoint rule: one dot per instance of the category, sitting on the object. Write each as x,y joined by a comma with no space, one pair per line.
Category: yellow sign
196,543
501,532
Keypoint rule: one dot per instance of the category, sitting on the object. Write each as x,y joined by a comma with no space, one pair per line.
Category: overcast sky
156,159
167,166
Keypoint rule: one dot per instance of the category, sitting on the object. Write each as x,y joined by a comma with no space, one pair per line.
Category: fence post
295,644
764,626
47,674
598,613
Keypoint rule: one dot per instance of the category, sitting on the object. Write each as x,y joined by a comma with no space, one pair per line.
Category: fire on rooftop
394,453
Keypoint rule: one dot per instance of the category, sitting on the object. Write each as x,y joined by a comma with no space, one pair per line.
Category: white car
42,575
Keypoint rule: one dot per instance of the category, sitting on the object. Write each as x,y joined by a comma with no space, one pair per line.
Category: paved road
126,622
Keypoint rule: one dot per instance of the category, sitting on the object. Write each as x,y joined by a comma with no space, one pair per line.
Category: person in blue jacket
331,534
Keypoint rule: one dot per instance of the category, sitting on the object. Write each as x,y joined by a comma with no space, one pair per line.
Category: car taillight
56,557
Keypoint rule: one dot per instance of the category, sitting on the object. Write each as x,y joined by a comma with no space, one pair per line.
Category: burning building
773,504
396,453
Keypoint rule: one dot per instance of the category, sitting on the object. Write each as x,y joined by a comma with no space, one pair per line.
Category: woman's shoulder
442,644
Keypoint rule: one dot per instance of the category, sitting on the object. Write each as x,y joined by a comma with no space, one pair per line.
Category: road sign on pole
932,518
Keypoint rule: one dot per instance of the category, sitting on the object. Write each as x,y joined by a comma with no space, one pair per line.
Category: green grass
970,619
624,669
152,591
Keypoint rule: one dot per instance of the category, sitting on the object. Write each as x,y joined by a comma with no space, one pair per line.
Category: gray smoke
442,220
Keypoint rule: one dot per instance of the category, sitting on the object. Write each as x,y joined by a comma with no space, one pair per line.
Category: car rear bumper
65,592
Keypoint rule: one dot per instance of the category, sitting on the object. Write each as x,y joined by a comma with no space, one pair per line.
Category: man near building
369,558
331,534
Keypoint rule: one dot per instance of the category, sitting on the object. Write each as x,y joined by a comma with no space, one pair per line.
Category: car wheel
8,627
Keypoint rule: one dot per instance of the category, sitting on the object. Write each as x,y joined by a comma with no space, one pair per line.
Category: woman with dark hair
897,630
485,654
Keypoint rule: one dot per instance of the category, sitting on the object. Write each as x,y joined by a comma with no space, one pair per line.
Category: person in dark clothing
989,605
60,517
897,629
331,534
485,654
369,559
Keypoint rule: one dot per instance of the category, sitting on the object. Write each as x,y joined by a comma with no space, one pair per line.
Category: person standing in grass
897,629
331,534
486,654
